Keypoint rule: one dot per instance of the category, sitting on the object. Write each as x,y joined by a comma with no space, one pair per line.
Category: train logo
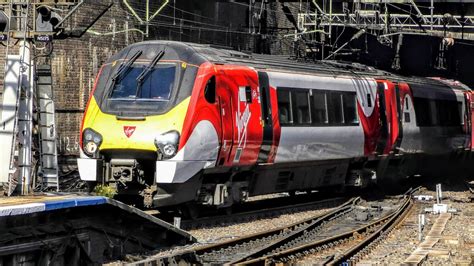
242,118
128,130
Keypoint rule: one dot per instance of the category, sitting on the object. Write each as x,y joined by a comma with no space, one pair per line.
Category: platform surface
19,205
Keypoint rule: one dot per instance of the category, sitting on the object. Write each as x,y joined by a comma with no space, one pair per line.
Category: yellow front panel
112,130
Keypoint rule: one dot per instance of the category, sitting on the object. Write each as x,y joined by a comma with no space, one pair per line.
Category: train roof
197,54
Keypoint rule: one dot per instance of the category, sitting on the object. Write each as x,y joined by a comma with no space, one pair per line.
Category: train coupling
124,170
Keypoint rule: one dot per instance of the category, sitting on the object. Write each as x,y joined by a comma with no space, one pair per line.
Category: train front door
242,82
224,98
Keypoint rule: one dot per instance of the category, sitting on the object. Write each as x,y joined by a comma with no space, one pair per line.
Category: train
185,124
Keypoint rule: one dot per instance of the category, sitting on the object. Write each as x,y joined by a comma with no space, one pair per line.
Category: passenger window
320,107
423,112
449,113
300,101
444,113
335,108
284,107
210,90
350,108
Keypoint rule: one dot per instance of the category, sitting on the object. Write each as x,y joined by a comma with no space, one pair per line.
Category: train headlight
91,142
169,150
91,148
167,143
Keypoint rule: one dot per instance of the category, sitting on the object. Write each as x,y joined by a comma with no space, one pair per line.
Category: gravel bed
457,241
224,232
228,231
393,250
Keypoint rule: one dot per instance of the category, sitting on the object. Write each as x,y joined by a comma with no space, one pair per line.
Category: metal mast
29,21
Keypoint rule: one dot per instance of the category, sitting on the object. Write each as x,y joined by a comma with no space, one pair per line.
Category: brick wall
75,62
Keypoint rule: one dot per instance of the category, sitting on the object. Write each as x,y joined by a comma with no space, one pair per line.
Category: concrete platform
66,229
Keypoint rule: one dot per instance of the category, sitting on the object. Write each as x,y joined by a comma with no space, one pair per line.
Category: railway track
322,234
353,243
234,249
345,248
260,213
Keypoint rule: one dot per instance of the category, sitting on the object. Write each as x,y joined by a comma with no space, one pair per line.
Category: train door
393,117
411,141
469,117
224,98
247,115
384,122
267,148
397,120
369,113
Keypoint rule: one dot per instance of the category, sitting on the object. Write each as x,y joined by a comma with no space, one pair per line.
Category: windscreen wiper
148,70
123,67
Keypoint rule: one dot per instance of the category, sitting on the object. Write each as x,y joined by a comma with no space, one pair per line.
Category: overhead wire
183,19
170,25
213,27
191,13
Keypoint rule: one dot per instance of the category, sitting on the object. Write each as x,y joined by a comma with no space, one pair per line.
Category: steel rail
352,255
242,216
196,255
296,233
295,226
294,253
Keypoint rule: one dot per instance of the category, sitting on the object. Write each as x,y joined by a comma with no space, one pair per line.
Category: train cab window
284,107
350,108
210,90
156,84
335,109
300,103
320,105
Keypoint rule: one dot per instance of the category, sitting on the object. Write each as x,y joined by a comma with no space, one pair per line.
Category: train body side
233,130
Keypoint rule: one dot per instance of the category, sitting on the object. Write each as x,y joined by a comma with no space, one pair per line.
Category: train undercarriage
220,188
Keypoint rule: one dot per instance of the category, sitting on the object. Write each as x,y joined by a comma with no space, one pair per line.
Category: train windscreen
156,86
146,79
